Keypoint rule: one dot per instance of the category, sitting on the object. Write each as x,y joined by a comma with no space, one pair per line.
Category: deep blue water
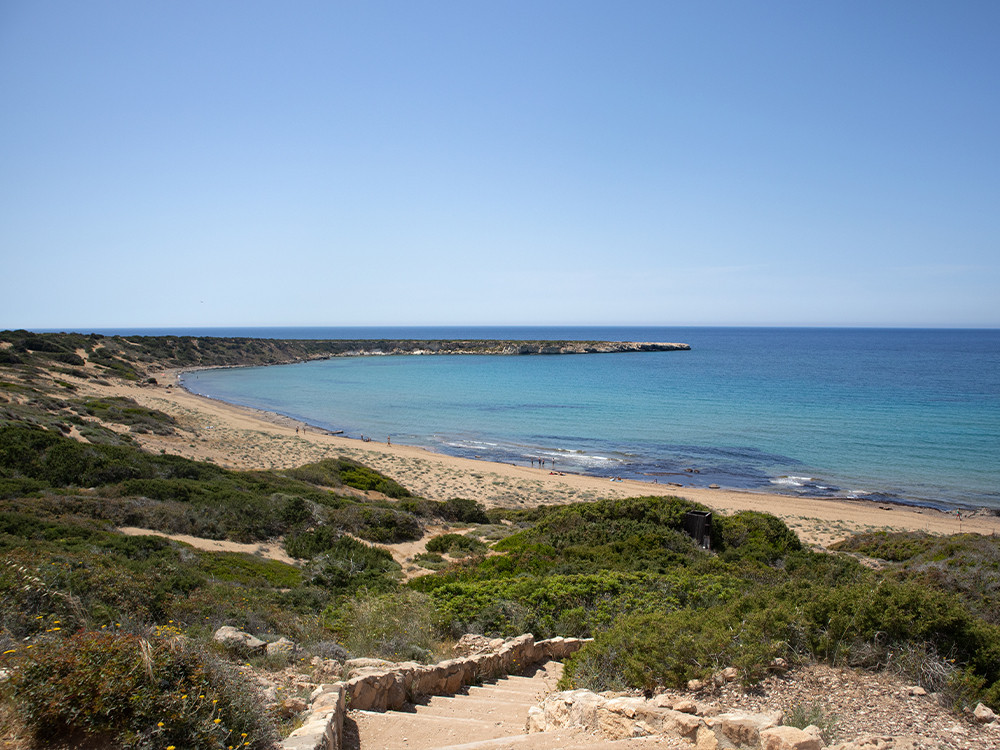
899,414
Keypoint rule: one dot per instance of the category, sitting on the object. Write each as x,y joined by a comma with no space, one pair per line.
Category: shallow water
900,414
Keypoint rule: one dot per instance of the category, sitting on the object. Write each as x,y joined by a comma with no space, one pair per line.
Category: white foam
792,481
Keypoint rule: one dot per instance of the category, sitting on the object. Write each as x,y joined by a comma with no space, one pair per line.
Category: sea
893,415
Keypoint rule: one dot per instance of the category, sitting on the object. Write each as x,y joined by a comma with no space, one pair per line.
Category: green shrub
343,564
121,690
377,524
126,411
750,535
804,715
461,510
562,604
396,626
457,545
337,472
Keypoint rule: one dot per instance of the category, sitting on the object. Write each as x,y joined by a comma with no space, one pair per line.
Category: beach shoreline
245,438
552,458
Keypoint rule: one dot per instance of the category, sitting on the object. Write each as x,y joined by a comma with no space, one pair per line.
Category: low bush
397,626
462,510
343,564
338,472
456,545
120,690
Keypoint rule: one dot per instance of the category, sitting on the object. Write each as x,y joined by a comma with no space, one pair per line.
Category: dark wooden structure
698,525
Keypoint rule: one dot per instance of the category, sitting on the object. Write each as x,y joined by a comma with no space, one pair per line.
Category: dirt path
269,550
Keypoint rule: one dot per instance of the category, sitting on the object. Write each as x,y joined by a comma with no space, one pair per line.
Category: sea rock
235,639
984,714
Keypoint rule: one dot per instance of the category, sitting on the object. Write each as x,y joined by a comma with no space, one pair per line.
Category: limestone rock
695,686
778,665
281,647
536,720
915,690
685,706
984,714
706,740
788,738
354,667
292,707
471,643
326,670
743,729
235,639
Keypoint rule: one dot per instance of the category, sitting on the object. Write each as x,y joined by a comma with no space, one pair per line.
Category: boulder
572,708
281,647
617,718
685,706
471,643
326,670
235,639
789,738
743,729
984,714
292,707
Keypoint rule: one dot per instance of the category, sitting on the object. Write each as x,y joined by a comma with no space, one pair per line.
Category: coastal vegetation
108,637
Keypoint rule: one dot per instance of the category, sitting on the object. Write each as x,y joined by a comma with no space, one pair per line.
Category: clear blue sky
508,162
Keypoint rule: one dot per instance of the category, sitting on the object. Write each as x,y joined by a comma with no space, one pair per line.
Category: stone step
567,740
494,712
514,715
395,730
389,718
472,704
505,693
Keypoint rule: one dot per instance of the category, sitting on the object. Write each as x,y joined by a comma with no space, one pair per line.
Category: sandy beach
241,438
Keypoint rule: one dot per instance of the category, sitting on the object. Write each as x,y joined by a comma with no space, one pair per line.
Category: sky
513,162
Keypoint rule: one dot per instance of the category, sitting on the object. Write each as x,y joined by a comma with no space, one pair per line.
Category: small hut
698,525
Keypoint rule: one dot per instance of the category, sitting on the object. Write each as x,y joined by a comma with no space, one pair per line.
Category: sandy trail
269,550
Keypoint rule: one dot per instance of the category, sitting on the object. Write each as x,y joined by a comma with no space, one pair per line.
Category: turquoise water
900,414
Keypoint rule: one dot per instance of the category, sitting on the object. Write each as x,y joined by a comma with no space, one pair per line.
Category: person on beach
388,440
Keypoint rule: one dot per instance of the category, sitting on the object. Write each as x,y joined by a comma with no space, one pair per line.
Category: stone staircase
491,716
